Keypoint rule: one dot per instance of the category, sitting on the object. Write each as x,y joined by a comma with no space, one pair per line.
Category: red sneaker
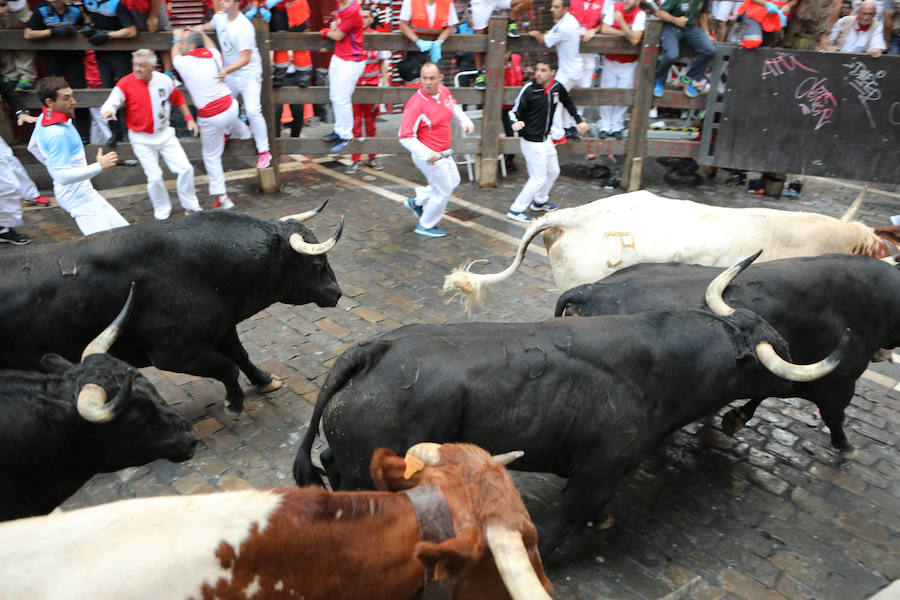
224,202
39,201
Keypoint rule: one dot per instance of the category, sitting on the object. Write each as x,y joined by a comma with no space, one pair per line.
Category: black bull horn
764,350
92,404
302,247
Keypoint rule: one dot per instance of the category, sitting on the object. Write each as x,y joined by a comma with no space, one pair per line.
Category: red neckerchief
201,52
548,86
860,27
52,117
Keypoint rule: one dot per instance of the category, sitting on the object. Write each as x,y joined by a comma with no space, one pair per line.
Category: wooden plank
644,78
491,123
268,177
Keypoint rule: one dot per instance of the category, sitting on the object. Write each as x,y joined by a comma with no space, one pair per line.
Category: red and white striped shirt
147,103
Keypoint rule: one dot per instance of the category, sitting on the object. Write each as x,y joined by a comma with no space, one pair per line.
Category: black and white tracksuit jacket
536,106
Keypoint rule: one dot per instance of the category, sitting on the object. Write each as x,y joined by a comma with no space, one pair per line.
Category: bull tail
469,287
349,364
851,211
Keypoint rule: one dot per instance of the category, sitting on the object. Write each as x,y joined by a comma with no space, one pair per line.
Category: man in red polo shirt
147,95
425,132
344,70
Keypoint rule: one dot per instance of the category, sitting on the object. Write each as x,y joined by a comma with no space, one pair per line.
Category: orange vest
419,20
758,13
297,12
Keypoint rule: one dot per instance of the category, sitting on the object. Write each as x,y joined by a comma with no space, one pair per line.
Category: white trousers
442,178
148,149
212,138
248,88
94,213
542,163
561,118
15,185
342,78
615,75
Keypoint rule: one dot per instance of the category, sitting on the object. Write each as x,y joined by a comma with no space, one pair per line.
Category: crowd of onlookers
224,79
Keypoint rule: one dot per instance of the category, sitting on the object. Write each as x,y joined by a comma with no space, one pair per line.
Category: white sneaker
224,202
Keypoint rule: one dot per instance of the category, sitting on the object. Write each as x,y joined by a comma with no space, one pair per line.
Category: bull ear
54,363
448,559
387,471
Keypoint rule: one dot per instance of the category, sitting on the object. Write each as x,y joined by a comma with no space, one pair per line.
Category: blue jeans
895,41
696,39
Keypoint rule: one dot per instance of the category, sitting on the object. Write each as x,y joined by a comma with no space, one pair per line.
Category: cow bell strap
435,525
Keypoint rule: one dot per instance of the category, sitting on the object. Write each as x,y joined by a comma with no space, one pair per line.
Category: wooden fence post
636,148
268,178
491,107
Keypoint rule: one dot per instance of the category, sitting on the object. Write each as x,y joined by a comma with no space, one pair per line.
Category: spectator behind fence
810,23
589,14
344,70
513,76
762,21
17,66
57,145
55,18
243,69
425,132
152,16
375,73
858,34
892,27
109,19
625,19
481,15
286,15
565,35
148,96
426,23
684,20
199,64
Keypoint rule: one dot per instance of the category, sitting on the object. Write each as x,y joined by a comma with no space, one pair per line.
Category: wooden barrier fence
488,147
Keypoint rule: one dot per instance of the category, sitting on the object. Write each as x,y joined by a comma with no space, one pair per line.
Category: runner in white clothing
148,95
57,145
198,62
243,69
566,37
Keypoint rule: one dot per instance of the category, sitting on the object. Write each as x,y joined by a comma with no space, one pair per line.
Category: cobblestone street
771,513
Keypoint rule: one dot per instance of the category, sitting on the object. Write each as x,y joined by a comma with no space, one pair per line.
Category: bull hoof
272,385
849,453
234,411
733,421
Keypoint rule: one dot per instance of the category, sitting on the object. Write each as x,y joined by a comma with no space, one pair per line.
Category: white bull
593,241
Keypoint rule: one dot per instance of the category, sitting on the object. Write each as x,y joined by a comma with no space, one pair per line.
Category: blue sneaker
546,206
430,232
689,90
410,203
331,137
658,89
521,217
340,145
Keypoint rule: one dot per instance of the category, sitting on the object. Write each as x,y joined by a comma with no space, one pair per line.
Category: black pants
113,66
296,124
412,62
70,66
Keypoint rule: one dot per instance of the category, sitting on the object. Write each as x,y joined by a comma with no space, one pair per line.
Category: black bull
50,445
196,278
583,398
810,301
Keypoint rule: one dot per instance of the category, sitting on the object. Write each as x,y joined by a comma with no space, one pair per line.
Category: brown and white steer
291,543
590,242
